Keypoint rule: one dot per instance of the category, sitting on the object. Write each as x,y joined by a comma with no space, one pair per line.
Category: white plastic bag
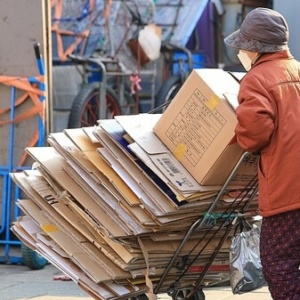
150,41
145,43
245,265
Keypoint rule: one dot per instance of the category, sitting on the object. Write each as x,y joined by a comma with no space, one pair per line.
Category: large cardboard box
198,126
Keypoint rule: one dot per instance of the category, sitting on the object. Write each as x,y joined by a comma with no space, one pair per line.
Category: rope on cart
30,87
150,293
78,36
227,217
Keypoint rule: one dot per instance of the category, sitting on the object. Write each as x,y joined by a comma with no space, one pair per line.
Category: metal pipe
10,169
102,87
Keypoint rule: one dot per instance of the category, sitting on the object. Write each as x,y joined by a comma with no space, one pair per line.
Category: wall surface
290,9
21,26
231,20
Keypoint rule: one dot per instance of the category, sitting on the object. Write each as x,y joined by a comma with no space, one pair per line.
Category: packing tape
48,228
180,151
213,101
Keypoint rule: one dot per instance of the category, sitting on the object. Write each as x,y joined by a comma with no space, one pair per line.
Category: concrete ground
18,282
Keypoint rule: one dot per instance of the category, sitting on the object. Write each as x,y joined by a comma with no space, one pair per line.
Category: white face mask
246,58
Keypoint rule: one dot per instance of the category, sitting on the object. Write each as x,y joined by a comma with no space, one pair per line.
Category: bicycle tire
85,108
168,91
128,107
32,259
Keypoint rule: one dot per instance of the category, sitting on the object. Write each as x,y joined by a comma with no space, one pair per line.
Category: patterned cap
263,30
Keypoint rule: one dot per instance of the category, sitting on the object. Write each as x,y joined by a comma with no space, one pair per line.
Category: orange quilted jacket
269,122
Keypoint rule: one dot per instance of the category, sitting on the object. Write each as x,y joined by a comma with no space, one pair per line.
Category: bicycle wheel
85,108
167,91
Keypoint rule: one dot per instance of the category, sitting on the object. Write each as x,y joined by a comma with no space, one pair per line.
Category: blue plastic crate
198,61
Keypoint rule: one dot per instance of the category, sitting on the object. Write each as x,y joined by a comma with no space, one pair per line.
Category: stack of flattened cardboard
109,205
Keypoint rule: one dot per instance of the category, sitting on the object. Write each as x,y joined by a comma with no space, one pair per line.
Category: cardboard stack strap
109,205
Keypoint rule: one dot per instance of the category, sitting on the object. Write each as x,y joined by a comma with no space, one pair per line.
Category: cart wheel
85,108
168,90
140,297
183,293
32,259
128,107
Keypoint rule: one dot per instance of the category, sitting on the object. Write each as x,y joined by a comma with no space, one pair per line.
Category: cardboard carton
198,126
156,156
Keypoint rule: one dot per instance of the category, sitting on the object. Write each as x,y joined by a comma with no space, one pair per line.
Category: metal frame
8,198
228,223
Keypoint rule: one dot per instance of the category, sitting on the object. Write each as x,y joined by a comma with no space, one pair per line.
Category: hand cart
11,193
217,221
109,70
192,266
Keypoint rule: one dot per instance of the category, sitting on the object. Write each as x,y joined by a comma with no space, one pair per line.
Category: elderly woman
269,124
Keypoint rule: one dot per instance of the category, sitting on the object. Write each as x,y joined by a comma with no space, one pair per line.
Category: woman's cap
263,30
